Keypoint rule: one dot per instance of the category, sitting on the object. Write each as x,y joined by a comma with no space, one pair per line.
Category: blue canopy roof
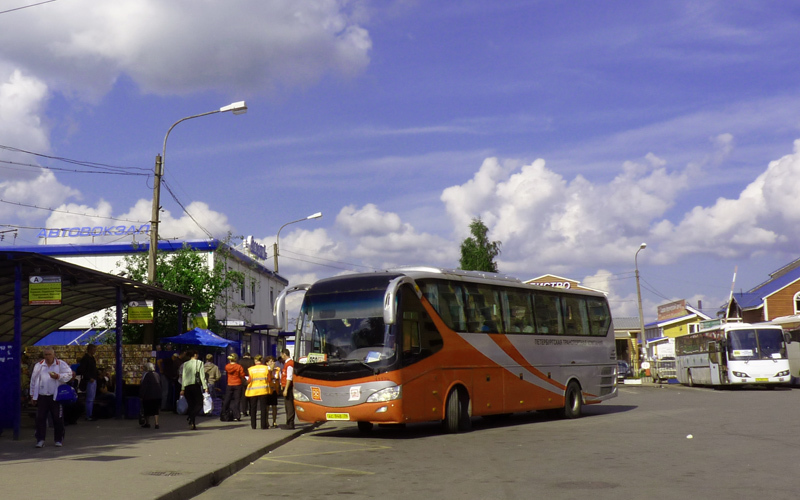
200,336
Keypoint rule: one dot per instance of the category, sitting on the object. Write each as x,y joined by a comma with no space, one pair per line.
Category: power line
329,260
64,169
26,6
184,209
67,212
90,164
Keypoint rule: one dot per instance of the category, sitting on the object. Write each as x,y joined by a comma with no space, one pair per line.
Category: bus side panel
487,390
522,395
422,393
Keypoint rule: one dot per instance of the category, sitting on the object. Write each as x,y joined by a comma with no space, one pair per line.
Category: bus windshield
344,326
745,345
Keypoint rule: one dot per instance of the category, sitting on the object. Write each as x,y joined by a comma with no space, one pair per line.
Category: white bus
728,353
425,344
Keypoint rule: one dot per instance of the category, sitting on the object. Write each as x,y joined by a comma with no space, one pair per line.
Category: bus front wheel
573,401
456,418
365,426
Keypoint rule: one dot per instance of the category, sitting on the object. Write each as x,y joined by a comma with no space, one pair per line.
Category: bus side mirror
280,305
787,337
390,299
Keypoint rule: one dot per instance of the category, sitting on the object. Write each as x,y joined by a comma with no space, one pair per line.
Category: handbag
197,375
66,394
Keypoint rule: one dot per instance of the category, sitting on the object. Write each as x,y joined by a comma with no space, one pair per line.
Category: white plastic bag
182,406
208,404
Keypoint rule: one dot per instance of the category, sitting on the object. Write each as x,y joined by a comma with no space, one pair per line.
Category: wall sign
44,290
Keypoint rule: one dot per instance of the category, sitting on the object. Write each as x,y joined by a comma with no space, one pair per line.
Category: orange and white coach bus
425,344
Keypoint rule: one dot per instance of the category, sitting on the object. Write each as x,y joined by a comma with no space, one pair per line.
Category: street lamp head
314,216
238,108
642,246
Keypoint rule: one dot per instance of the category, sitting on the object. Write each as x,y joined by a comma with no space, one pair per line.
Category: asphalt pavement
116,458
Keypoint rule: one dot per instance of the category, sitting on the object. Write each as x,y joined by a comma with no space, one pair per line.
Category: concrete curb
214,478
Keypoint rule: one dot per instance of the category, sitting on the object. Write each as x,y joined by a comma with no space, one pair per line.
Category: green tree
184,271
477,252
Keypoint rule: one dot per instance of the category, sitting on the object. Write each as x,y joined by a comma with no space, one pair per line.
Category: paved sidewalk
110,459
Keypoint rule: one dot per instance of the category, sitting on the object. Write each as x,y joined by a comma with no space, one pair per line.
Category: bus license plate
762,380
337,416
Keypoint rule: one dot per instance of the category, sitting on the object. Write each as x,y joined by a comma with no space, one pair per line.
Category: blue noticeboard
9,371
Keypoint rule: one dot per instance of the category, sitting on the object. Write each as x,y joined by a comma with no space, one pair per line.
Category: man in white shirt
47,375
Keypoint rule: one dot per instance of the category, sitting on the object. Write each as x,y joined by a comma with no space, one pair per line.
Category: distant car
623,369
664,369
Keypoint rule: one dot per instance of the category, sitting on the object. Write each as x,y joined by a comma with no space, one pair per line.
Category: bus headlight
388,394
784,373
299,396
740,374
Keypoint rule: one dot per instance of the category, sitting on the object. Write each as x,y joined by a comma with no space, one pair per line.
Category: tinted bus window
599,316
576,317
517,312
547,311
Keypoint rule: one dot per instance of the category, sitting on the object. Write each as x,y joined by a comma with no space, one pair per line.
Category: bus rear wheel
573,401
456,417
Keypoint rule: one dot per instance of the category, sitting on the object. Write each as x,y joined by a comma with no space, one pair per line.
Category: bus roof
382,278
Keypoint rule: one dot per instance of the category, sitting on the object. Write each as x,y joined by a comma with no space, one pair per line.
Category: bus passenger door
714,363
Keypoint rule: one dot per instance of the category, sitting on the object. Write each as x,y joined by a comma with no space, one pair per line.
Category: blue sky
575,130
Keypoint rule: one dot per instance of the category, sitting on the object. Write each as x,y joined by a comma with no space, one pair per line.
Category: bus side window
517,312
576,318
547,313
599,316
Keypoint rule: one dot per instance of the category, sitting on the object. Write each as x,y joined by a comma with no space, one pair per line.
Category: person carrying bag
193,387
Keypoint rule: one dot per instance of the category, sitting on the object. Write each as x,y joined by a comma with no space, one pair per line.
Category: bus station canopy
83,291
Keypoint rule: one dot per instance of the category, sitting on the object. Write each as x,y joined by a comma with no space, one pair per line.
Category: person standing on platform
233,392
212,373
47,375
274,378
193,384
257,391
150,392
87,369
246,362
287,375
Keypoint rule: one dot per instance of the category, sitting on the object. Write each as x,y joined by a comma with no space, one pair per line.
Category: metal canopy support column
119,387
16,351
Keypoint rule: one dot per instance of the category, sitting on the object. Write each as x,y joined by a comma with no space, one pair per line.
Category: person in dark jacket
150,393
246,362
87,369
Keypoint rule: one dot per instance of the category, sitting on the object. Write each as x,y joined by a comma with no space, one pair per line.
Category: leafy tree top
477,252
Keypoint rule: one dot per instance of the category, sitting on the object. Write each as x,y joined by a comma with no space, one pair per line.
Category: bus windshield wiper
352,361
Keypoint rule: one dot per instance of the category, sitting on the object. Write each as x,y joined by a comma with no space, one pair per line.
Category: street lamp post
237,108
639,299
278,237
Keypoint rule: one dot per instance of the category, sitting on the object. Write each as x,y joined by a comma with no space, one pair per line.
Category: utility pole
150,328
